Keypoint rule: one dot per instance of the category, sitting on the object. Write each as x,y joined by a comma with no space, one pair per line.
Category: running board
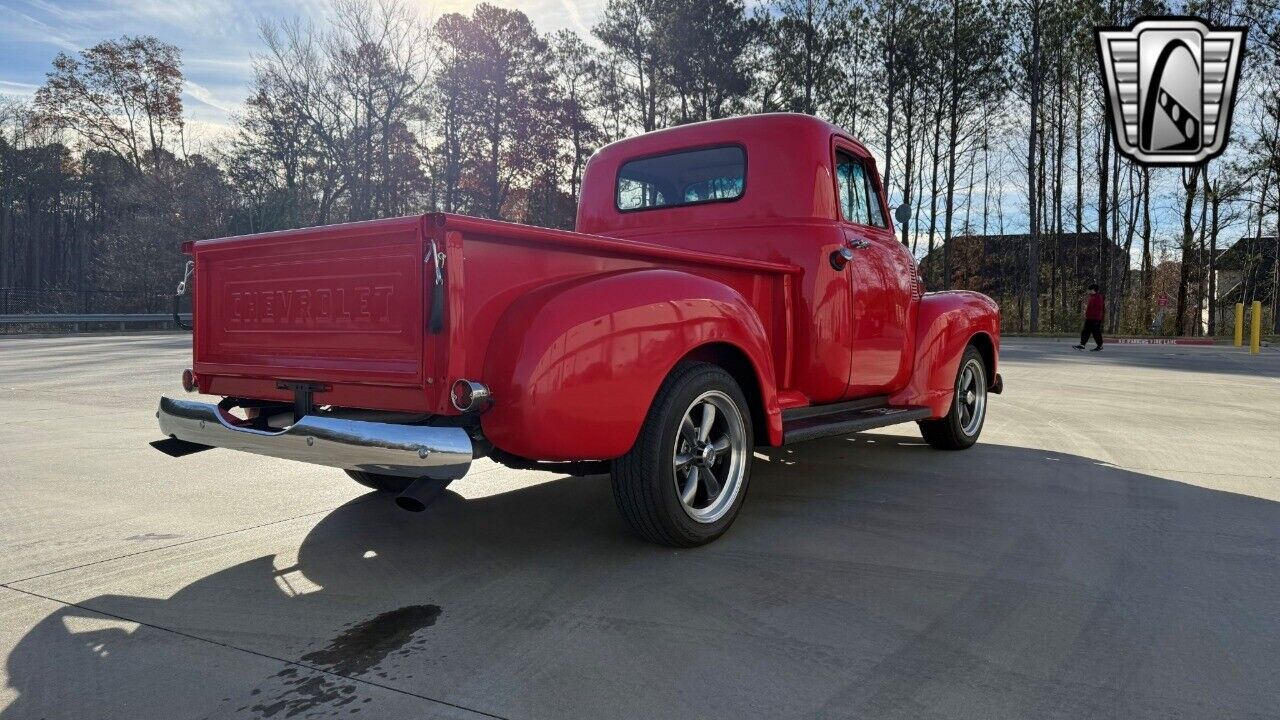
844,418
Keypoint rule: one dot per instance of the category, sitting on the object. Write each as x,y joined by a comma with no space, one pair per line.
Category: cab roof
789,159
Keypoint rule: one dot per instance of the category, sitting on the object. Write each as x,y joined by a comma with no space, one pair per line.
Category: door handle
858,243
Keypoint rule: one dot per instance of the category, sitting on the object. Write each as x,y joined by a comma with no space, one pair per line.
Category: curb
1163,341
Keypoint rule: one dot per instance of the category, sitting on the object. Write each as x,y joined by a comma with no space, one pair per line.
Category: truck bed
347,308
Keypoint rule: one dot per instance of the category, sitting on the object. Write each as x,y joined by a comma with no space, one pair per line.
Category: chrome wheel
710,457
971,396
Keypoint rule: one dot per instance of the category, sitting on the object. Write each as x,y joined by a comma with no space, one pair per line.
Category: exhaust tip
467,395
411,504
421,493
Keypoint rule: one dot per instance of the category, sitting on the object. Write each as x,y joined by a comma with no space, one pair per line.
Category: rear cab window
687,177
859,194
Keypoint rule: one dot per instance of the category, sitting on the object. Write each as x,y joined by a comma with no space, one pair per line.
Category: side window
859,198
852,185
877,214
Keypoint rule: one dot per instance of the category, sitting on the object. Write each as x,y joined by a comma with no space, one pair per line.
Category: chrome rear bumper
390,449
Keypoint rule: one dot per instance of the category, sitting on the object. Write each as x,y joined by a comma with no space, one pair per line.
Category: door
882,280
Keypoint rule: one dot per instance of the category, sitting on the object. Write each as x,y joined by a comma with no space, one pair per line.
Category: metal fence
90,322
84,318
24,301
28,310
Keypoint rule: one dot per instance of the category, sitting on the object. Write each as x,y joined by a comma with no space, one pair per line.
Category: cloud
207,136
242,66
575,15
217,37
547,15
26,28
18,89
202,94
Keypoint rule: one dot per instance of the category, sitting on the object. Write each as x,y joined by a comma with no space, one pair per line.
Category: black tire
957,430
381,483
647,486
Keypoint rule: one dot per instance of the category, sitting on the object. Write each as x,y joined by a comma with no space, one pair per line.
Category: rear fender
575,366
948,322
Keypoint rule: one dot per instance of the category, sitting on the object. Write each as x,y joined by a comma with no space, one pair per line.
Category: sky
217,37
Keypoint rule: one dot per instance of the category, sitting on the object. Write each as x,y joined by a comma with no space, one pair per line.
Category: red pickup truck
730,284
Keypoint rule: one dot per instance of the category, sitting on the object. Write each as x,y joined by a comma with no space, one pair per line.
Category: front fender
575,366
946,324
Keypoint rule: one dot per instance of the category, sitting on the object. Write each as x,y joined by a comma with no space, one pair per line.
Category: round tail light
188,380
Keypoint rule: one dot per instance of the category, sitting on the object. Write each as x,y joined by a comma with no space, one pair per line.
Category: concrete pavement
1109,549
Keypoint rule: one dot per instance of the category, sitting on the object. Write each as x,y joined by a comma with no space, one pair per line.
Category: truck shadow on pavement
867,577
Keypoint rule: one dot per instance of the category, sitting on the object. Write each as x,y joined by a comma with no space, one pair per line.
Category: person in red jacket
1093,314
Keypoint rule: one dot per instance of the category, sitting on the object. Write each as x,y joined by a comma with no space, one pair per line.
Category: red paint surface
946,323
574,331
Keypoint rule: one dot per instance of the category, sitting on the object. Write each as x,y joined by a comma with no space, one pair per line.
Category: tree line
988,117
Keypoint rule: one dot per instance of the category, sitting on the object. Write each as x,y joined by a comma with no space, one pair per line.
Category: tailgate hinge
436,322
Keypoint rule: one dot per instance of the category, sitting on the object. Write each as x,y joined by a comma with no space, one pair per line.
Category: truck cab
779,188
729,284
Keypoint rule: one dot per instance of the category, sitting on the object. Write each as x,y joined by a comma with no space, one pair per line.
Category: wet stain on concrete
368,643
358,649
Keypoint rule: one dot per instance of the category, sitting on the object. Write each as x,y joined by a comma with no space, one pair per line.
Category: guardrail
121,319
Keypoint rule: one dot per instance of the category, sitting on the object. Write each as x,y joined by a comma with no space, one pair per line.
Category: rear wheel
686,477
960,427
381,483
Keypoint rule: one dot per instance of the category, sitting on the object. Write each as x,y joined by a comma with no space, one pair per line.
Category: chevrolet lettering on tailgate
298,304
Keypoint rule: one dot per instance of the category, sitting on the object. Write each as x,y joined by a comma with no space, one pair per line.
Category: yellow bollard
1255,329
1239,324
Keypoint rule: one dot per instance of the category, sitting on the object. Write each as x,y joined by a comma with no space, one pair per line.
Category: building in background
1245,272
997,265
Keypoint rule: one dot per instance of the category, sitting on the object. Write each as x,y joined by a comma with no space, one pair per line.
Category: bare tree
375,111
357,87
806,41
630,32
974,72
121,96
574,69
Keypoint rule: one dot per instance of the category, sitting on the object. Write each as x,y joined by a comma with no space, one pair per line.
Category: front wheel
685,478
960,427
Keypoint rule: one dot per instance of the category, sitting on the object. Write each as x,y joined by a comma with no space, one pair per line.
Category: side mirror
902,214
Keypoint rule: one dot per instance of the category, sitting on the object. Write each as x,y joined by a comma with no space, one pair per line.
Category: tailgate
337,304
